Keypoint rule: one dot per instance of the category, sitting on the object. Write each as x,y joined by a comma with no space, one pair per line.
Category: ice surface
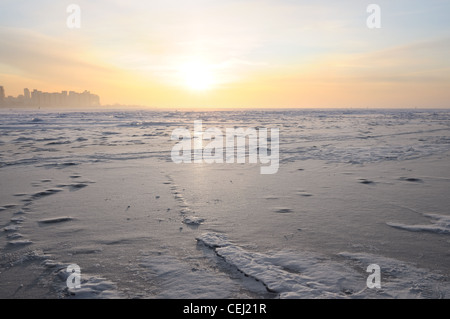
92,287
286,273
310,275
181,279
99,189
404,280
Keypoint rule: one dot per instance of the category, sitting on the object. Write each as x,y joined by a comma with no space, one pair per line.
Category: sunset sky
231,53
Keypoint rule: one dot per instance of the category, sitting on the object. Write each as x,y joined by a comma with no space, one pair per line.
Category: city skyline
245,53
38,98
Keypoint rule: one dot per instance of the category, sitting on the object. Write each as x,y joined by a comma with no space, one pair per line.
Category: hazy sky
238,53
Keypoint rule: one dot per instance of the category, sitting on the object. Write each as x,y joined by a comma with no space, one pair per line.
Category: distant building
26,94
2,95
45,99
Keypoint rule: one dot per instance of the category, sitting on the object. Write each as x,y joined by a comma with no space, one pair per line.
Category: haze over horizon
231,53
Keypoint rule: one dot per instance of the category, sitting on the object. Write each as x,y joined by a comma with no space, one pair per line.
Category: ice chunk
193,221
56,220
440,224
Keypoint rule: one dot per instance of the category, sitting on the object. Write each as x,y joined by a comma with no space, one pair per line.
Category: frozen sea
99,189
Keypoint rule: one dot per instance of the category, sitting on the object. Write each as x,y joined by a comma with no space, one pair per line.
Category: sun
197,76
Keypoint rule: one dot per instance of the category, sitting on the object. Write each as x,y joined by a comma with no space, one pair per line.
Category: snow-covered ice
439,224
99,189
